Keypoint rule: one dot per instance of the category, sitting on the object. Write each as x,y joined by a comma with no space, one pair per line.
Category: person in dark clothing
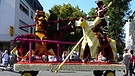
101,9
132,60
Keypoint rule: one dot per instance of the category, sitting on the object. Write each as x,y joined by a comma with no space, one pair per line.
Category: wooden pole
60,66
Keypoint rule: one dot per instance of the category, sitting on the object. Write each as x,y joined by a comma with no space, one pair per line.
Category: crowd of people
129,61
6,59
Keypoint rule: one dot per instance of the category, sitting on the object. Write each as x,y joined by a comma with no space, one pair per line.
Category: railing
50,41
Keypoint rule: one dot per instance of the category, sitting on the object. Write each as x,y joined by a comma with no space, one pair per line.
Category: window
35,5
31,1
31,15
24,8
38,8
21,24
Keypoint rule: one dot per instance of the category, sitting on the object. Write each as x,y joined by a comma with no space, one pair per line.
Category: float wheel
29,73
26,74
109,73
97,72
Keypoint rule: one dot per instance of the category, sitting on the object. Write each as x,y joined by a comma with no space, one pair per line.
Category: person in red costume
105,46
101,9
102,28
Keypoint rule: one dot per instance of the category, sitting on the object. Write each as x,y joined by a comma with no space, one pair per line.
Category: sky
84,5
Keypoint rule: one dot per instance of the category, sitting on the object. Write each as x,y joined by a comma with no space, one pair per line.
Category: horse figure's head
83,23
41,24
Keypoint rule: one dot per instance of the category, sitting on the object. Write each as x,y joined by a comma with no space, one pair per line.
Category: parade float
102,49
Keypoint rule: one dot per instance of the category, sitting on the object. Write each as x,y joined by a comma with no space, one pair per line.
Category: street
60,73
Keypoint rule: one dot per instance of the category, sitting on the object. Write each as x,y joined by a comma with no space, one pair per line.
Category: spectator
1,56
74,56
64,55
101,57
5,59
52,58
126,61
12,60
44,58
132,60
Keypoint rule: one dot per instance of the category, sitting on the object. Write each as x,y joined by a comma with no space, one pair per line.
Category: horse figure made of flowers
41,33
96,42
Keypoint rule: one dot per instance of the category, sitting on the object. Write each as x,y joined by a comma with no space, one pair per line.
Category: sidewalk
5,68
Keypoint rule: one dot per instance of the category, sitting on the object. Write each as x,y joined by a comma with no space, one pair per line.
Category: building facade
13,15
130,32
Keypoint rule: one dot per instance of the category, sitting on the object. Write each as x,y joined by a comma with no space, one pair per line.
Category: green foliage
92,12
118,12
66,12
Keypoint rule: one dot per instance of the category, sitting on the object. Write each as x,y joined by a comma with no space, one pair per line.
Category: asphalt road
60,73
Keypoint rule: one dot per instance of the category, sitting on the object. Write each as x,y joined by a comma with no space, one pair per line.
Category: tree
66,13
118,12
92,12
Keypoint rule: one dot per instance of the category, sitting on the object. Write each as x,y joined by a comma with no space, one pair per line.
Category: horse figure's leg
22,48
87,55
